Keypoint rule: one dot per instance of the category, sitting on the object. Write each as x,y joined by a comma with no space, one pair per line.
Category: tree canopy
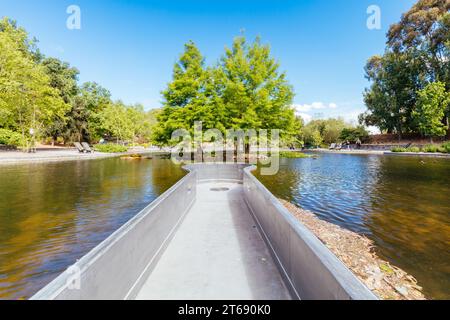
43,94
245,90
432,105
417,54
27,99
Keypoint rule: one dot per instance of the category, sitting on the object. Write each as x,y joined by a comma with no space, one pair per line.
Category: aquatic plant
294,155
110,148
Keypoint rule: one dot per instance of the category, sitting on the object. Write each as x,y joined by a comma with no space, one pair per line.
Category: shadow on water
53,214
401,203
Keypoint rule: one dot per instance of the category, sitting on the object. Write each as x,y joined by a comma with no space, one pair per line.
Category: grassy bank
294,155
432,148
110,148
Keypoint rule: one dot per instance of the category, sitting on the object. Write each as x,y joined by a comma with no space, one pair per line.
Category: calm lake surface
401,203
53,214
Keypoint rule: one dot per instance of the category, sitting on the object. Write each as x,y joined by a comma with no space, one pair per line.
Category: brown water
401,203
53,214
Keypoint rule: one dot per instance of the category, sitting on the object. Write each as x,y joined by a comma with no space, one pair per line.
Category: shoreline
61,155
68,154
343,151
356,251
383,153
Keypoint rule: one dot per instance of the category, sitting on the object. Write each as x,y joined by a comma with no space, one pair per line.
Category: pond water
401,203
53,214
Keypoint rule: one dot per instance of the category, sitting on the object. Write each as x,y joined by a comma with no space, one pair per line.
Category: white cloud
306,117
314,106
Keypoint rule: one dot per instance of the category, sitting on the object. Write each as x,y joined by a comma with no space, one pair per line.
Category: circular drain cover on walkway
219,189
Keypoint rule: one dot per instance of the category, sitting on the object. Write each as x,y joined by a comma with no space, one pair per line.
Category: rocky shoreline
387,282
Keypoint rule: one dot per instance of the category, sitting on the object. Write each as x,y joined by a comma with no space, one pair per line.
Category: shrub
446,147
111,148
414,149
10,138
399,149
431,148
441,149
353,134
294,155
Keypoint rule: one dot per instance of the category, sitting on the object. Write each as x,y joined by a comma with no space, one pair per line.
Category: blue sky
130,46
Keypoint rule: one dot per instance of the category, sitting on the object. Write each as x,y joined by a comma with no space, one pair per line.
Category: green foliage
244,91
320,132
425,28
27,100
255,94
433,102
43,93
410,149
186,97
395,77
399,149
446,147
294,155
20,37
140,126
10,138
353,134
418,54
64,79
414,149
432,148
332,129
312,136
115,119
111,148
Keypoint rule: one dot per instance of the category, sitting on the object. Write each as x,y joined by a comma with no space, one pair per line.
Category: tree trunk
448,127
247,151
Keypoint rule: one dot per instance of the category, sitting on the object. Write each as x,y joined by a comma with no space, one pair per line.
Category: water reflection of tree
284,184
165,175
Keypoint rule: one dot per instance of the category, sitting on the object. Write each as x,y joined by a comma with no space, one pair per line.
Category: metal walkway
217,253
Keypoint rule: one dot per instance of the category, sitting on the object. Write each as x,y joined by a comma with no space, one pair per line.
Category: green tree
255,94
26,45
311,136
433,103
63,78
244,91
395,77
329,129
84,122
116,120
27,100
425,27
417,53
140,126
354,134
184,98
